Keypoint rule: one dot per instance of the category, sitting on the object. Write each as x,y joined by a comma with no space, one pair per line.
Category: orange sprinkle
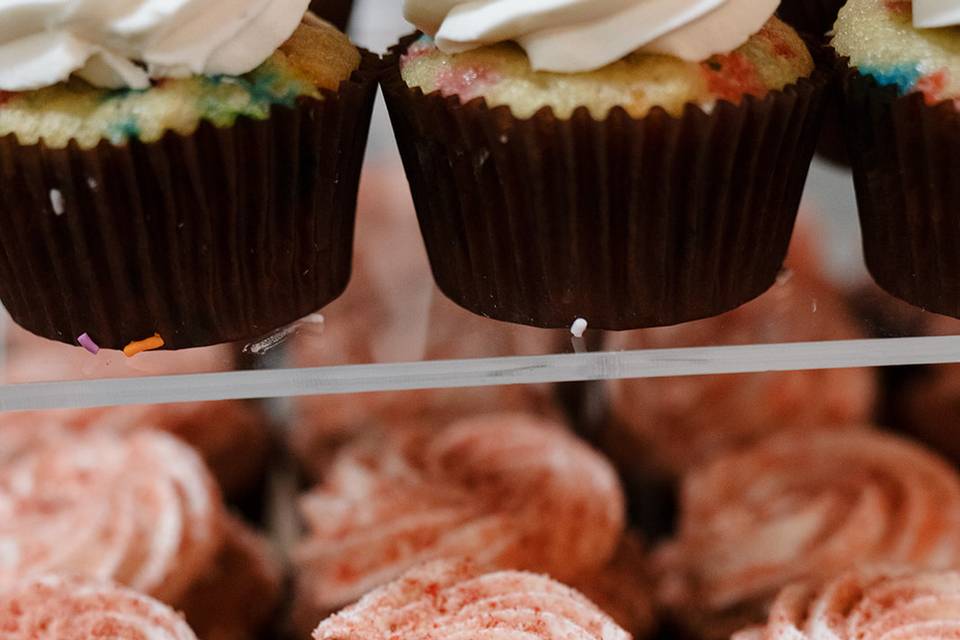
139,346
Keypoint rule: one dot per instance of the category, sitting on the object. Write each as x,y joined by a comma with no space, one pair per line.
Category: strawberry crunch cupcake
803,508
901,65
659,428
867,605
509,491
186,171
451,599
142,511
635,163
66,608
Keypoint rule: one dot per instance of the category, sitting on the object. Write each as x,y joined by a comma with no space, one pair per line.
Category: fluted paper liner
812,17
905,157
626,222
222,235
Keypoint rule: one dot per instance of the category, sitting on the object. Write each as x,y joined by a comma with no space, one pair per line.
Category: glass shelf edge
282,383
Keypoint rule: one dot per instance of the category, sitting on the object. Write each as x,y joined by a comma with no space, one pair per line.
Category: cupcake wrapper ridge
625,222
903,153
221,235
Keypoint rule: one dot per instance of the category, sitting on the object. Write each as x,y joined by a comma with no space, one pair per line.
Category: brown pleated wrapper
813,17
336,12
218,236
905,157
626,222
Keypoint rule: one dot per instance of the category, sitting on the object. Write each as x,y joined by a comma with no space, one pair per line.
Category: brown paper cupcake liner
812,17
222,235
336,12
904,156
626,222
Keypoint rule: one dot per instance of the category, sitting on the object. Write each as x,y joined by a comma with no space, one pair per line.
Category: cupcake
66,608
233,437
659,428
509,491
867,605
455,600
633,166
393,313
187,173
336,12
142,511
901,87
802,508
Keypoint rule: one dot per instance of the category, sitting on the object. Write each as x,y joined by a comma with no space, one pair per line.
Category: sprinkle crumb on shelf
578,328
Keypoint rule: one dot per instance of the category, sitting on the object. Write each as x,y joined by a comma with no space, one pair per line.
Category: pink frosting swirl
804,507
454,601
66,608
142,511
867,605
507,490
669,425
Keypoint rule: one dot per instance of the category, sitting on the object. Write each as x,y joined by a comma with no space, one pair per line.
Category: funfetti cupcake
185,173
901,63
632,163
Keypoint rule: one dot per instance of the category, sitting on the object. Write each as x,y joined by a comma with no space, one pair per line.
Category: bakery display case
501,365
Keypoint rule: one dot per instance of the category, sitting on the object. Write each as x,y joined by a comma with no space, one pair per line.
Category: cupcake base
903,153
625,222
218,236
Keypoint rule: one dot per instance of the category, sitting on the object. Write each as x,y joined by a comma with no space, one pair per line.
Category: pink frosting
448,600
508,490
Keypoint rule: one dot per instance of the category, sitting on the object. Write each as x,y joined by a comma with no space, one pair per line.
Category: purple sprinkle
87,343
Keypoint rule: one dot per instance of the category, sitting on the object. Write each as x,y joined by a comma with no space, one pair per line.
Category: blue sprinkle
126,130
904,76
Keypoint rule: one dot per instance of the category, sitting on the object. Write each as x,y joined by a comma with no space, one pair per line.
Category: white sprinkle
92,183
278,337
578,328
56,199
504,138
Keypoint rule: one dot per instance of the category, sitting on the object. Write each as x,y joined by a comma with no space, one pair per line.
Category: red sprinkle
932,86
731,76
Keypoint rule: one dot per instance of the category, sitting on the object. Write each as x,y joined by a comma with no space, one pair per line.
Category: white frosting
125,43
928,14
582,35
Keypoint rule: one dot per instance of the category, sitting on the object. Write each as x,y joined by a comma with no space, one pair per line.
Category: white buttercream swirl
126,43
583,35
930,14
